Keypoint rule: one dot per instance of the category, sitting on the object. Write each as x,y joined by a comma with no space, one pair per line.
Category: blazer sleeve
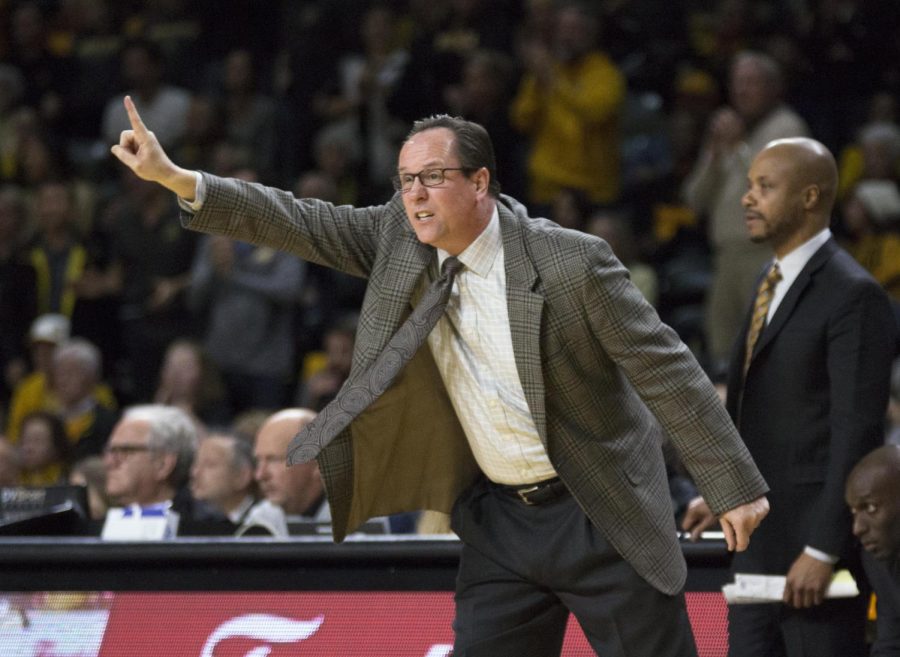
671,383
339,237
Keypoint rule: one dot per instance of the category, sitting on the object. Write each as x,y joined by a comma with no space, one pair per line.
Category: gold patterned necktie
356,395
760,311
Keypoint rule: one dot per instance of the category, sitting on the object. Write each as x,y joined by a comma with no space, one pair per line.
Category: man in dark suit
807,388
531,412
873,495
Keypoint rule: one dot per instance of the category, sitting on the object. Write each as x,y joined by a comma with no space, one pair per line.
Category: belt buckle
523,494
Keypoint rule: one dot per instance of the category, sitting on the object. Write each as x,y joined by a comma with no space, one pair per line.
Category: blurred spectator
75,376
311,41
86,29
222,475
9,463
247,297
246,425
142,71
248,115
18,307
151,263
613,228
892,429
568,104
299,489
91,473
364,83
483,95
735,134
35,392
177,28
570,208
337,154
47,75
12,87
190,381
874,151
45,333
321,382
202,132
442,37
850,50
58,255
32,393
871,217
880,143
43,450
148,461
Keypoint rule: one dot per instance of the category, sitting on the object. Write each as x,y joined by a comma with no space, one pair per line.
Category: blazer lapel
786,307
407,261
525,308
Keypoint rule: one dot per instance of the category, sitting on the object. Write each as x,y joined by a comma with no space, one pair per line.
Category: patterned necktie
355,397
760,311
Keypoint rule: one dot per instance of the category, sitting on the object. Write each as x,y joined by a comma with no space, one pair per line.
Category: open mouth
424,215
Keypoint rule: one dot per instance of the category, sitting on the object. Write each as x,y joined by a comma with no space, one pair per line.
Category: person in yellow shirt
34,393
872,218
568,104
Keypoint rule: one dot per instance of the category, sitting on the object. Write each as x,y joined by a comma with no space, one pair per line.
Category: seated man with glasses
148,462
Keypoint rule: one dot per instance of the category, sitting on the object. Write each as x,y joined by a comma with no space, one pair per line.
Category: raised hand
141,152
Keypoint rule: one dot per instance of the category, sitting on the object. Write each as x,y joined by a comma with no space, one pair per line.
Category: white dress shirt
472,346
791,266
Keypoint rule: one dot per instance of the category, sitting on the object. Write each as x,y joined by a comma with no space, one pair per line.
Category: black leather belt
539,493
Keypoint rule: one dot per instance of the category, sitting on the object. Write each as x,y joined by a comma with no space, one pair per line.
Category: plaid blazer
602,375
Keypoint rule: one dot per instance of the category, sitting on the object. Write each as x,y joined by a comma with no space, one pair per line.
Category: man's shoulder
841,264
781,122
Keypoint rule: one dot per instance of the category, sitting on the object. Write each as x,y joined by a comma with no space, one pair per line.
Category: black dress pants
524,568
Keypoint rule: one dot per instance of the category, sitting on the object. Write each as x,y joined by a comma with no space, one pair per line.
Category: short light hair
884,133
172,432
240,450
85,353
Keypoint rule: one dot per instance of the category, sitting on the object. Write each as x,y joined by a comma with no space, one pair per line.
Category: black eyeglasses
428,177
118,452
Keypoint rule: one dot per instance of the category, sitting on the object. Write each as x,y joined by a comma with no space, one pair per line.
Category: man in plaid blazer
555,479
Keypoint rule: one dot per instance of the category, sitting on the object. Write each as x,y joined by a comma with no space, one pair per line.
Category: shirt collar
794,262
481,254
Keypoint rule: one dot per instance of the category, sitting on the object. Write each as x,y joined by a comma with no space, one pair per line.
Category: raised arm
140,151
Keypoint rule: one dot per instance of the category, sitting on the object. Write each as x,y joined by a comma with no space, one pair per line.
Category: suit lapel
407,261
525,308
789,303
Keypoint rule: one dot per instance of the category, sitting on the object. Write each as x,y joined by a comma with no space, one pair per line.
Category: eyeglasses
119,452
428,177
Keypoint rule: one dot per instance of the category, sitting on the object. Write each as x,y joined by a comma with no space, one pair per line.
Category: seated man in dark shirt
873,493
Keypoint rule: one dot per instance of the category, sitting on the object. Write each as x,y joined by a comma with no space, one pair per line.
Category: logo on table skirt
264,628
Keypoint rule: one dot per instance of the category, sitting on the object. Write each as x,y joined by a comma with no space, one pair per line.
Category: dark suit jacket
885,580
593,358
813,404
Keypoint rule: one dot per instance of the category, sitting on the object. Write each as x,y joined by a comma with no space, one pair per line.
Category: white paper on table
754,589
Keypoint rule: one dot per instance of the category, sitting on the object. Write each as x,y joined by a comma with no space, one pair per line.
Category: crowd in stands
612,117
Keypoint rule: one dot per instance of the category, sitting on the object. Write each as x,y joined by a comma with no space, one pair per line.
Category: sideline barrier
227,598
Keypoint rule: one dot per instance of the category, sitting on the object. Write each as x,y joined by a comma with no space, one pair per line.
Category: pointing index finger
136,123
